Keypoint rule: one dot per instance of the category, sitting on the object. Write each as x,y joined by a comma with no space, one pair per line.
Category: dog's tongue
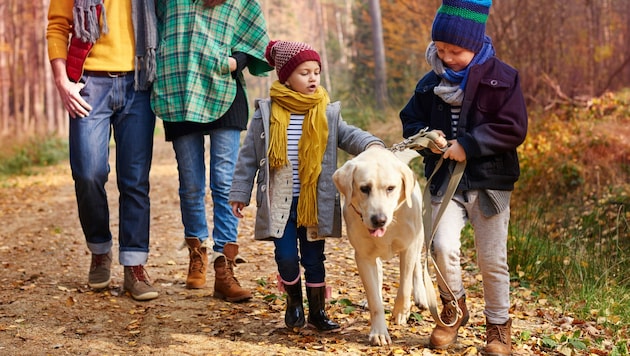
378,232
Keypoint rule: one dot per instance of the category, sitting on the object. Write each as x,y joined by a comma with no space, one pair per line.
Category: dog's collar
356,210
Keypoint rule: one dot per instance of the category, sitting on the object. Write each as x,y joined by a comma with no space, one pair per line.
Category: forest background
570,235
566,51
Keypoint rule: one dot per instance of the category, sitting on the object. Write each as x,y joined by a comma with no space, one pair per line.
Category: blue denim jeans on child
287,254
190,153
119,110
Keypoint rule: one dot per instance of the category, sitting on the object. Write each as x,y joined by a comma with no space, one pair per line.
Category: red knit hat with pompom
285,56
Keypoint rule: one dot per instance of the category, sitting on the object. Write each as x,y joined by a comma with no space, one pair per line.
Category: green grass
570,227
36,152
582,262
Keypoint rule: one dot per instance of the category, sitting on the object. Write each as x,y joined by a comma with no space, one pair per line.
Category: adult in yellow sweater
103,58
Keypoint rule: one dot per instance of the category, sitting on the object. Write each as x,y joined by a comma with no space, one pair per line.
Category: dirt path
47,308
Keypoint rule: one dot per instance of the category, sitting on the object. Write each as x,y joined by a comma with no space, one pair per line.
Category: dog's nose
378,220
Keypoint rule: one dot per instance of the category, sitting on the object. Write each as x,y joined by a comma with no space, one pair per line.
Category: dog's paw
401,315
380,338
420,298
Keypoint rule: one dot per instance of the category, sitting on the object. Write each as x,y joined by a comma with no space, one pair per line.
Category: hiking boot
137,283
100,275
444,336
197,265
498,339
226,286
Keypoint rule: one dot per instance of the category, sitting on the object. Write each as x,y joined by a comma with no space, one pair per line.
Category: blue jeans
119,110
190,153
288,257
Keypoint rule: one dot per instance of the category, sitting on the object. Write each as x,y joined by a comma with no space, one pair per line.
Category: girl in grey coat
291,150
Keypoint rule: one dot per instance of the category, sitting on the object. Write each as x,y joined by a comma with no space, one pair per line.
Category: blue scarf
455,80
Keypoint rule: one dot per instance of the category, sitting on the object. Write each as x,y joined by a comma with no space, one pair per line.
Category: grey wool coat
274,187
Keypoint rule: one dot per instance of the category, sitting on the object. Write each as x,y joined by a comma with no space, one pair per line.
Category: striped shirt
294,132
455,111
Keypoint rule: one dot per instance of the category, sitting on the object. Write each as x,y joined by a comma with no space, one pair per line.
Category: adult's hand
69,91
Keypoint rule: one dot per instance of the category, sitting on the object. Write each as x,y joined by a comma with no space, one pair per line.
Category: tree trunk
380,76
5,79
15,82
323,30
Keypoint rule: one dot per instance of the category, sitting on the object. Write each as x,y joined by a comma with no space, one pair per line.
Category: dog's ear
409,183
343,178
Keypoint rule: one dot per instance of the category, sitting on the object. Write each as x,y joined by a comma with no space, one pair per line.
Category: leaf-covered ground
47,308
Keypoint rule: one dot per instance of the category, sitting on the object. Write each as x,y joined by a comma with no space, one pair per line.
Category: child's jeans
491,247
288,256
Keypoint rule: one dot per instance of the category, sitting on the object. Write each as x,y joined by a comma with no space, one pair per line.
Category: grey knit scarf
448,91
145,33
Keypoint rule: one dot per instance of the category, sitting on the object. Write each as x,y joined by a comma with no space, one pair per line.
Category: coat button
494,82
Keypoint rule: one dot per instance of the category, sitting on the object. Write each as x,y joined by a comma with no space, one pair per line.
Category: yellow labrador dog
383,213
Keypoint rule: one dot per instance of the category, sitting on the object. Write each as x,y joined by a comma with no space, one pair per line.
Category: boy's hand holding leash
455,152
435,141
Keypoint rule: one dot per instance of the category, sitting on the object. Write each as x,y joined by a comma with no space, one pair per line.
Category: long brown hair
213,3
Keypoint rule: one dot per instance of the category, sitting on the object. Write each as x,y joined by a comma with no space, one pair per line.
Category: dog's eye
366,189
391,188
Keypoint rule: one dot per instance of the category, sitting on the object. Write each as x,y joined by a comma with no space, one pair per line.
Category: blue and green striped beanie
462,23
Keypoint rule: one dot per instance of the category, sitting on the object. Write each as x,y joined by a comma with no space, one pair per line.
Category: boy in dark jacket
474,100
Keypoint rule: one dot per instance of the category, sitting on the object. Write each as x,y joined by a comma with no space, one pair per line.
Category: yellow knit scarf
311,146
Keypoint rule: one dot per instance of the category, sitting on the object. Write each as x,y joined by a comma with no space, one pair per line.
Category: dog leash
421,140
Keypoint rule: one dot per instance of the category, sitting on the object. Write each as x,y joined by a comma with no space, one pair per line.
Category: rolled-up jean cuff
100,248
133,258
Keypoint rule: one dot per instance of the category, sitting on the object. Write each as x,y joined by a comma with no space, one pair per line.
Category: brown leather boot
198,264
498,339
443,336
226,286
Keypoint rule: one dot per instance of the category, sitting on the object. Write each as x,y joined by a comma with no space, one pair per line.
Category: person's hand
440,140
72,99
455,152
232,63
237,207
69,92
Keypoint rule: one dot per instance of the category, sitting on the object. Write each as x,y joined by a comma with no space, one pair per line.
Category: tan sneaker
100,275
137,283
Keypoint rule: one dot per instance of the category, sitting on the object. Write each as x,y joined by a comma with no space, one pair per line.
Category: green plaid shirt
194,82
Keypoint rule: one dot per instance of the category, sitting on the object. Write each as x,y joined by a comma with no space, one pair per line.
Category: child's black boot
294,315
316,309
